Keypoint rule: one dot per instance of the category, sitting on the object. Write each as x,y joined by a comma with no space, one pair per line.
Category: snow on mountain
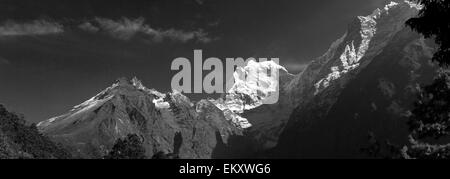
345,56
323,79
161,104
414,5
128,107
351,56
364,83
254,85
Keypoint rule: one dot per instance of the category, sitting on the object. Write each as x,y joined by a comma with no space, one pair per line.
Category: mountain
127,107
257,100
252,89
365,83
268,120
366,37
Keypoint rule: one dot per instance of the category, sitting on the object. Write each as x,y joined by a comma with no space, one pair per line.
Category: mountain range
364,84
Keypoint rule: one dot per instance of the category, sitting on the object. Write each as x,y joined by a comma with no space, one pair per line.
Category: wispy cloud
123,29
36,27
87,26
126,28
184,36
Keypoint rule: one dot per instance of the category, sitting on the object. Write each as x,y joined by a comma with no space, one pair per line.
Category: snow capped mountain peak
258,81
414,5
121,86
367,76
137,83
128,107
123,81
357,47
390,5
254,85
351,56
116,87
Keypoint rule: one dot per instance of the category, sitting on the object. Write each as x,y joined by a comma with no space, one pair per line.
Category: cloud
87,26
125,29
36,27
183,36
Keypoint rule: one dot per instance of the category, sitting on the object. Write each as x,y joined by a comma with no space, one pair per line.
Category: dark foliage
27,139
430,121
377,149
430,117
163,155
432,110
420,150
177,142
433,21
130,147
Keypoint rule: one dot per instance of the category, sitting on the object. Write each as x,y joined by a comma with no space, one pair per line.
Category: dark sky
55,54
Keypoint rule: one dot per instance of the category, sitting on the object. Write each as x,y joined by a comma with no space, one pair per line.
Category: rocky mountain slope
365,39
365,83
269,120
127,107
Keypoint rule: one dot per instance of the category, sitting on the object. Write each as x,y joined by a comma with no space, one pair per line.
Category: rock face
364,83
256,84
127,107
366,37
269,120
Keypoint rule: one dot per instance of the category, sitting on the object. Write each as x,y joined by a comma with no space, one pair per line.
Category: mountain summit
364,84
375,66
128,107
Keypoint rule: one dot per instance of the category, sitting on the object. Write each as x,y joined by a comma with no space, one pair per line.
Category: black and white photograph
224,79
